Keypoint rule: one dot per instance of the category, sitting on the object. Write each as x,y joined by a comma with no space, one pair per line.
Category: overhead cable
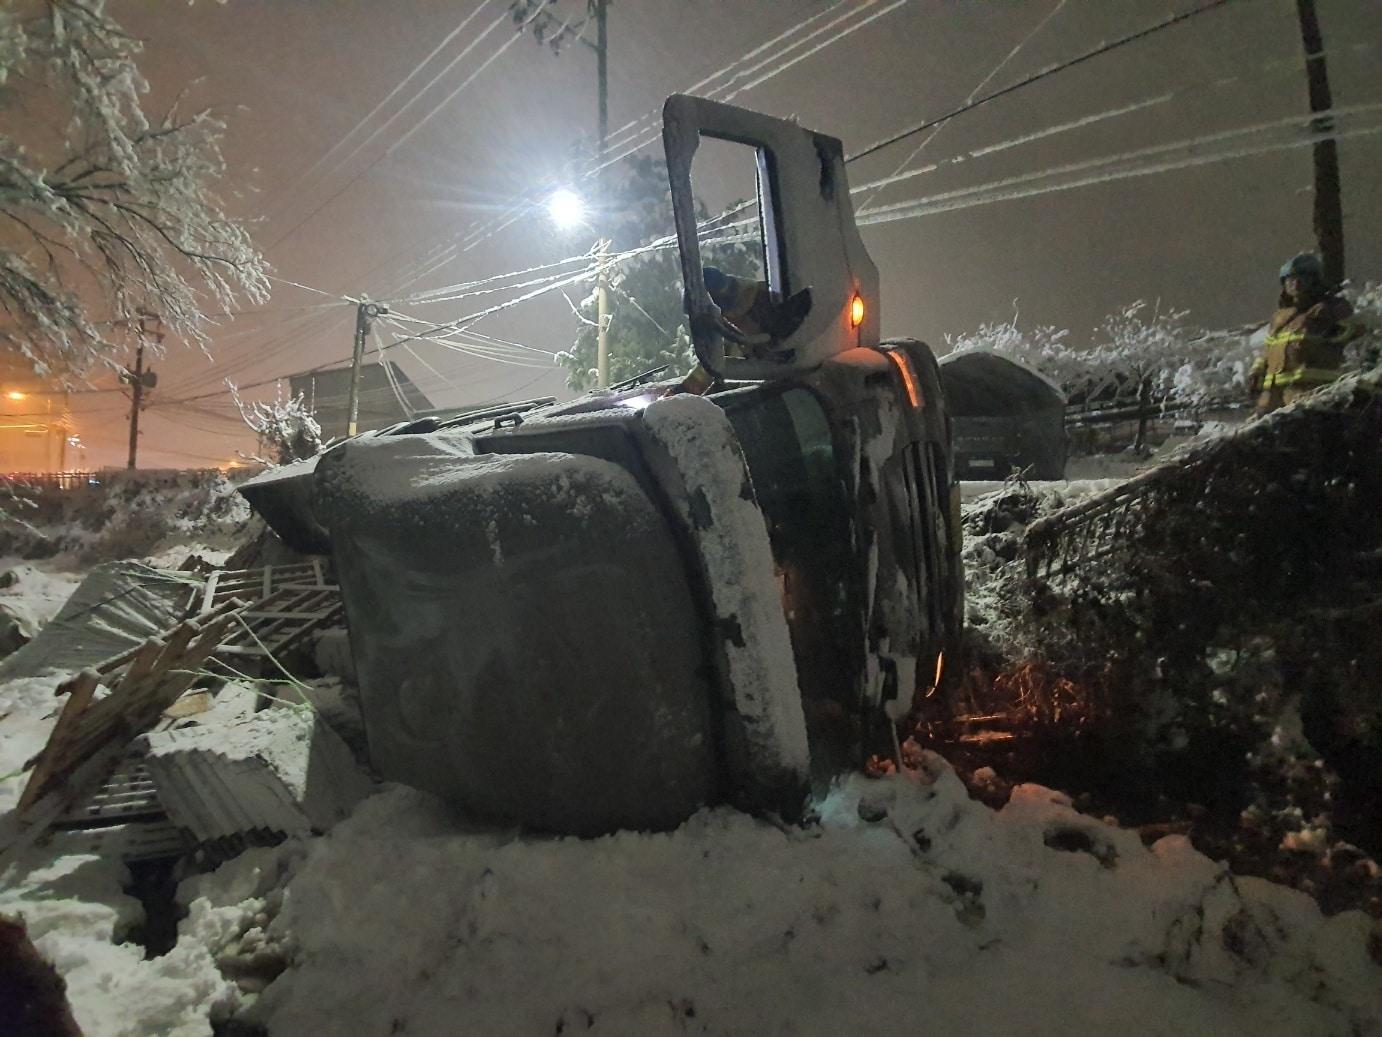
1177,155
1002,64
398,87
357,177
1051,70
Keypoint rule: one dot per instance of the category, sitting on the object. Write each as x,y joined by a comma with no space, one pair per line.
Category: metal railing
1122,518
40,482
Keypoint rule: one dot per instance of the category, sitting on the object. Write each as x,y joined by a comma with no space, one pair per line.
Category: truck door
804,220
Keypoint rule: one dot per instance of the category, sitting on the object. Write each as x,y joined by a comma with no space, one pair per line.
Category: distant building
384,400
36,429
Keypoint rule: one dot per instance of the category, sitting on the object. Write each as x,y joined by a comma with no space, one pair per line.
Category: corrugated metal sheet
278,774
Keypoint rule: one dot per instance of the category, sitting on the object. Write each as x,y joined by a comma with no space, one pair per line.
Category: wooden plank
80,690
212,582
22,827
189,705
306,628
144,659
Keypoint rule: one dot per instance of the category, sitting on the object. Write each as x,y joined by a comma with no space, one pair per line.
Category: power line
1175,19
1060,5
477,234
398,87
1167,157
388,152
555,282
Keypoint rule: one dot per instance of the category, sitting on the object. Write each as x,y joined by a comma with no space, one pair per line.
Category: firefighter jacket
1305,347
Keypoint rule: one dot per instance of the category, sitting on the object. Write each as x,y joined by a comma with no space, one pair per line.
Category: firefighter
1305,338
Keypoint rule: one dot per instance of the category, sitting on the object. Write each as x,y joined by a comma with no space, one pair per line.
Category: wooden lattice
286,604
289,602
91,734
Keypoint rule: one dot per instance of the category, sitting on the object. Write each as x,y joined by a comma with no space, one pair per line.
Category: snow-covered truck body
607,613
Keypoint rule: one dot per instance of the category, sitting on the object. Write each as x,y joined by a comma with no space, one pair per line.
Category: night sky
295,77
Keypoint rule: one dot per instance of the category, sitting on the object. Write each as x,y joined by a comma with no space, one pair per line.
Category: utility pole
139,380
602,281
1329,210
530,15
365,311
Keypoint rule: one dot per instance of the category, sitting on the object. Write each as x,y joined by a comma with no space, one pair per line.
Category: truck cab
607,613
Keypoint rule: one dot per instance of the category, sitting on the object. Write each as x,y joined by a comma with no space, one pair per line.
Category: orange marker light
856,310
14,394
909,378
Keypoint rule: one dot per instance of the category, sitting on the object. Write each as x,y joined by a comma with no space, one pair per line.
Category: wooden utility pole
602,280
1329,210
365,311
139,380
530,15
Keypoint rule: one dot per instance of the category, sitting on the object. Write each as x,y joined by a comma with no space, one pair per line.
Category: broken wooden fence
1093,529
91,736
289,603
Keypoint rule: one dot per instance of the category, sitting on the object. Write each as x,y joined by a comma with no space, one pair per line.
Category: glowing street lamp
566,208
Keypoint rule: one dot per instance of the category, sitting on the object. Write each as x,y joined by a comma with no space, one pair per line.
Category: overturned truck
610,612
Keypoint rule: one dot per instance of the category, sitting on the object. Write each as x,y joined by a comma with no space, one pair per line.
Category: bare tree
105,214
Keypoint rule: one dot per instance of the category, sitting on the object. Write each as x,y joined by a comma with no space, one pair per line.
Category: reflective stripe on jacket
1306,347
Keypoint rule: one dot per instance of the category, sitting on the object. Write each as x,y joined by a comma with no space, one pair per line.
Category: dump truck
610,612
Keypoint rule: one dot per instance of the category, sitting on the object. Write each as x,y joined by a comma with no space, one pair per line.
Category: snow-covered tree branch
105,214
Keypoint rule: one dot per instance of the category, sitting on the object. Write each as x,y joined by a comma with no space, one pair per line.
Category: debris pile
215,779
1152,640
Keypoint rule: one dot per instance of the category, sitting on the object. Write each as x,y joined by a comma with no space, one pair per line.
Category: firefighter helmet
1306,265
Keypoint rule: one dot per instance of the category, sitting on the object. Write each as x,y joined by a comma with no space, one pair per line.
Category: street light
566,208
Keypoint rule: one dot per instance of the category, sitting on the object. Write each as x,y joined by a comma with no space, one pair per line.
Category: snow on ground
76,912
940,915
909,905
908,902
38,590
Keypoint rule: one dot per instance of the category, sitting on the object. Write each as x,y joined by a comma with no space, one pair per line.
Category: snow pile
76,912
939,911
34,590
28,709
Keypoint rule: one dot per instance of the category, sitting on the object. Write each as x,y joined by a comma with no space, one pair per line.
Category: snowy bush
1044,348
1367,306
284,425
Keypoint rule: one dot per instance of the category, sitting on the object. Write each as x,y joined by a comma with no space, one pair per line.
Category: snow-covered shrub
1214,367
1044,348
1367,306
285,426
